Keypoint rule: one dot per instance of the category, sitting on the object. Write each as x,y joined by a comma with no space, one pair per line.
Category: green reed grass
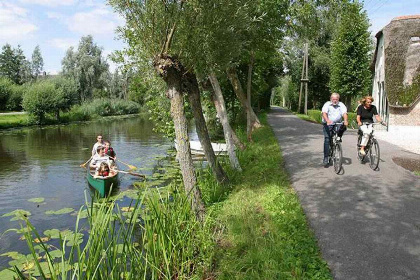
159,239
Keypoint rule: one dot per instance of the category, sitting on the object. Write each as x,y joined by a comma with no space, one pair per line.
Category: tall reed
159,238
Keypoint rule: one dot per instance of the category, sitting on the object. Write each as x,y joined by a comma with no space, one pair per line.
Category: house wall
378,89
403,116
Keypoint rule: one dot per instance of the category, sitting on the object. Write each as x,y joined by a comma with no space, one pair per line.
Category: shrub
41,98
14,103
108,107
5,91
315,115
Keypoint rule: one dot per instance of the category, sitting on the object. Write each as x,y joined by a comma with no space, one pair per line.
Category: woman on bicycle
365,113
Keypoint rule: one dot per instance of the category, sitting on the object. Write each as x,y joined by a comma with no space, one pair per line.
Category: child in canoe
109,151
105,170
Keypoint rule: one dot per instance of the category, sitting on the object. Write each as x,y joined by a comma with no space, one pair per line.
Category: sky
55,25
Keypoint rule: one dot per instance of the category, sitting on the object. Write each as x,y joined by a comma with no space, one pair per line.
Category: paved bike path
367,222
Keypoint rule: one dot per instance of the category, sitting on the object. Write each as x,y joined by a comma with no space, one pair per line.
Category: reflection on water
44,162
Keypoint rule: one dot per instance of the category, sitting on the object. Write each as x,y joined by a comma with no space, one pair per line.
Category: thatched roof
399,38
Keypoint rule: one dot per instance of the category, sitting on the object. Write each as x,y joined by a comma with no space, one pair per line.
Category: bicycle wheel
374,155
359,156
338,158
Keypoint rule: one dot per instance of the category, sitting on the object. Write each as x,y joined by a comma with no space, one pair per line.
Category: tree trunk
191,86
230,135
237,88
170,70
248,97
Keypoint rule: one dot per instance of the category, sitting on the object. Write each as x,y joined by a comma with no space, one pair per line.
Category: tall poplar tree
37,64
350,75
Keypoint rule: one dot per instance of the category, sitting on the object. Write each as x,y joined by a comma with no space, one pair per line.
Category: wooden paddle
131,173
83,165
128,165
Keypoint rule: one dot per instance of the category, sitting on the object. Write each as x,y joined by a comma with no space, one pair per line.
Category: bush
108,107
5,91
315,115
14,103
41,98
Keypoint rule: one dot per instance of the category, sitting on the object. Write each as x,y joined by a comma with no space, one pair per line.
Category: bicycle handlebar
376,123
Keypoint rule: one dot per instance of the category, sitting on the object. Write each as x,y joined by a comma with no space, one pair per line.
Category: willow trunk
248,96
171,71
237,88
219,103
191,86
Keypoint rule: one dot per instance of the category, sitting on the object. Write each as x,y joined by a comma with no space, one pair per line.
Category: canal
45,163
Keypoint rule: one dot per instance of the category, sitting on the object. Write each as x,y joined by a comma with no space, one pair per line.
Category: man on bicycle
333,112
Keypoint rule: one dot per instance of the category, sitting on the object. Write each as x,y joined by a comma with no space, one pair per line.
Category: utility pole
304,80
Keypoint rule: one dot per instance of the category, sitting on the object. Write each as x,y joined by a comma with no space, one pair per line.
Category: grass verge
9,121
264,232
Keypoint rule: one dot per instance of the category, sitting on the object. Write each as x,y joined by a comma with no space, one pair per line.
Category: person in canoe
109,151
99,157
97,144
104,170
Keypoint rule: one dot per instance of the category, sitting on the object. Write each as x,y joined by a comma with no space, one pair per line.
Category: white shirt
95,148
97,160
334,112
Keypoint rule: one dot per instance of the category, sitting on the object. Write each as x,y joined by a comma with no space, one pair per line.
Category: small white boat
220,149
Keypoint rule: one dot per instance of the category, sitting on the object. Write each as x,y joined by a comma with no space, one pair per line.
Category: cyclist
333,112
365,113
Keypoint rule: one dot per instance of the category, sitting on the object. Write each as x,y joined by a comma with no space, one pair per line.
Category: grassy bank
264,232
18,120
255,228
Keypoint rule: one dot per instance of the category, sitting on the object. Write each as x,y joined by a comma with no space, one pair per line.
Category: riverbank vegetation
88,111
76,93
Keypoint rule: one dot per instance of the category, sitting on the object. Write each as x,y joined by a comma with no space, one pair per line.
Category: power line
386,1
374,5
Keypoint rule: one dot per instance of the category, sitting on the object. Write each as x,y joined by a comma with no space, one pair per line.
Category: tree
37,64
150,29
87,67
313,22
350,75
11,63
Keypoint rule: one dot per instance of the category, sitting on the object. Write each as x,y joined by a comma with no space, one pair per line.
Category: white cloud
99,21
54,15
63,43
14,23
51,3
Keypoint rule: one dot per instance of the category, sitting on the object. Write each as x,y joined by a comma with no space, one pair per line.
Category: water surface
44,162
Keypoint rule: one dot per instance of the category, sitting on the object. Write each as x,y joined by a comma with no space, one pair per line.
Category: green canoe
102,185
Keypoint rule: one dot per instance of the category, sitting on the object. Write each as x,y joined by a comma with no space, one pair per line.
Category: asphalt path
367,222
